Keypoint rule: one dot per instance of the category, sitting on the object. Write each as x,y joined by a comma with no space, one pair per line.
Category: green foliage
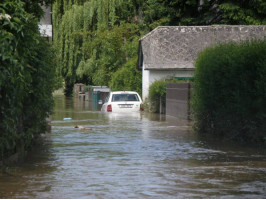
191,12
157,93
242,12
34,7
94,39
230,91
157,90
26,78
127,78
92,44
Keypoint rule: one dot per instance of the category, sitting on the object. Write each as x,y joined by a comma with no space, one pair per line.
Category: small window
125,97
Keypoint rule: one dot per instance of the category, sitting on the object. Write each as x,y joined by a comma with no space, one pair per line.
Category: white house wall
150,76
45,24
145,82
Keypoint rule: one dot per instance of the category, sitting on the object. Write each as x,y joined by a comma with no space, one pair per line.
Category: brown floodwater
132,156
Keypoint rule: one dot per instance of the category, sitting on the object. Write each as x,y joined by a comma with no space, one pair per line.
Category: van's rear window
125,97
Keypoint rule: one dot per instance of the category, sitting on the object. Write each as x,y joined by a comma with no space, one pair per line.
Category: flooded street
132,156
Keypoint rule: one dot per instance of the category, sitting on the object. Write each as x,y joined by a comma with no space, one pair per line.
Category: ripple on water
140,156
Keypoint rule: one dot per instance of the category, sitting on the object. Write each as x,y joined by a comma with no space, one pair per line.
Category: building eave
170,69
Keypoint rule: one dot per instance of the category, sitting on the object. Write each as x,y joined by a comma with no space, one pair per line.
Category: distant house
171,51
45,24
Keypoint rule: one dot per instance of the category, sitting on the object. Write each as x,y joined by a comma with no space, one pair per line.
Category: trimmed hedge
230,92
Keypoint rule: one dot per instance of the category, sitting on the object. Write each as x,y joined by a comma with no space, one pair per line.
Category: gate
177,100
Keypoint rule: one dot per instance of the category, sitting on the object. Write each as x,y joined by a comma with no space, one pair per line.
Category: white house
45,24
171,51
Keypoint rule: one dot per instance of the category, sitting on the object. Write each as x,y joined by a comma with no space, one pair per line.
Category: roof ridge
198,26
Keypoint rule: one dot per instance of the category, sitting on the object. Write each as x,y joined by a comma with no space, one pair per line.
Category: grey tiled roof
177,47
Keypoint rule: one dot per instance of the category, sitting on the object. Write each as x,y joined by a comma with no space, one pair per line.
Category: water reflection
132,156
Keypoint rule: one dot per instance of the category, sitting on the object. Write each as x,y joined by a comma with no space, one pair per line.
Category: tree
94,40
127,78
34,7
93,37
26,78
203,12
237,12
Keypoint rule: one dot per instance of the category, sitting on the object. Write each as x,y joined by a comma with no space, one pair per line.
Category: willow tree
79,37
94,38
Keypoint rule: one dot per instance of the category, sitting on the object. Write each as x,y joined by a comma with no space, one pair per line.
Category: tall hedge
26,78
230,92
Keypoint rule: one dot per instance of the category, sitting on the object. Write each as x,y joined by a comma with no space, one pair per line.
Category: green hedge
26,78
230,92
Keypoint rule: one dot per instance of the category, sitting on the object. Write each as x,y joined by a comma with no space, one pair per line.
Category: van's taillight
109,108
141,107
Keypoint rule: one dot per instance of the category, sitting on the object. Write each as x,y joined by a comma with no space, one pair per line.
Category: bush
26,79
230,92
157,94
